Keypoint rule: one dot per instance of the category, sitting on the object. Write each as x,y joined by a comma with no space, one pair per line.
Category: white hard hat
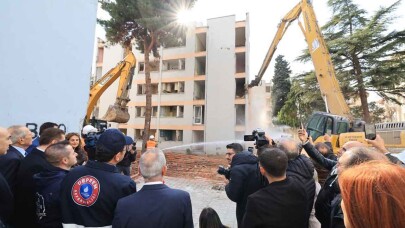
151,137
88,129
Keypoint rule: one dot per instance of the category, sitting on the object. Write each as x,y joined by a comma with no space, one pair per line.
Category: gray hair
290,148
152,163
17,132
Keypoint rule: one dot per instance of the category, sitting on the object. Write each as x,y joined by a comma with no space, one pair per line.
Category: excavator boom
117,112
324,69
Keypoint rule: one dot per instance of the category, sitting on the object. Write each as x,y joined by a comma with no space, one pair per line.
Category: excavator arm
119,111
321,59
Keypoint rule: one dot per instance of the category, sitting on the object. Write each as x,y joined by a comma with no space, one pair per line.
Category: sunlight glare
184,16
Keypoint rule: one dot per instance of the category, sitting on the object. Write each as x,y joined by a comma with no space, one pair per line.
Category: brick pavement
202,195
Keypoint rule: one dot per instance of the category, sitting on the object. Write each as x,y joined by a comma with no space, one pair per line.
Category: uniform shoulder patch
85,191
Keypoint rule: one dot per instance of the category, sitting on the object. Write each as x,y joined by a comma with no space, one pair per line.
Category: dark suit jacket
282,204
155,206
6,200
9,164
25,205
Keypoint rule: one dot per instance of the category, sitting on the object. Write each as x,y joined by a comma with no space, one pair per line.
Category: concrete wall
46,51
220,80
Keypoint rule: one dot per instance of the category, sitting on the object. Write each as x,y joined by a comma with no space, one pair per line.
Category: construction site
212,80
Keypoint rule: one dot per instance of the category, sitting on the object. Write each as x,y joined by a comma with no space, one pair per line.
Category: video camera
224,171
258,136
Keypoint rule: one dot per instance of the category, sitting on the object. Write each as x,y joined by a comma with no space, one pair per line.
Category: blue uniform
89,194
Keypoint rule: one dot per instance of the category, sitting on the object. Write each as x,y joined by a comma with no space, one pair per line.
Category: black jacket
282,204
245,179
302,169
48,197
327,205
128,159
34,163
89,194
6,200
318,157
9,164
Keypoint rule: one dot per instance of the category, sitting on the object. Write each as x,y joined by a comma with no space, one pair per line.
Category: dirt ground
190,166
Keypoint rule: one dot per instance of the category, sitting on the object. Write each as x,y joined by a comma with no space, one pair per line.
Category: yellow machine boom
119,111
324,69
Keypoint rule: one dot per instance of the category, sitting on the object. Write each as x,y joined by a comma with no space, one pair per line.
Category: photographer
243,175
90,136
124,166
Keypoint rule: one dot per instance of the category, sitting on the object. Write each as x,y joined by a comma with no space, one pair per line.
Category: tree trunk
362,90
148,92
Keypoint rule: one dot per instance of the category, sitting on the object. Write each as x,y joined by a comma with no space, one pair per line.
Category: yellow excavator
337,120
119,111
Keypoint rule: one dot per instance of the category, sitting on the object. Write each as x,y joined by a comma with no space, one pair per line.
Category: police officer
90,193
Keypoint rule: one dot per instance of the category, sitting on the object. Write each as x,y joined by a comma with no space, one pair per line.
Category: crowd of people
56,181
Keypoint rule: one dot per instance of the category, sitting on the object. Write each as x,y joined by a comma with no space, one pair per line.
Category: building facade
198,89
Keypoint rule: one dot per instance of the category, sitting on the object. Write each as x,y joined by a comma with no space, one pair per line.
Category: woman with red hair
373,195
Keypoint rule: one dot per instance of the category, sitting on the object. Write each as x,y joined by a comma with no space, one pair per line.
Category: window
329,126
173,87
174,64
141,67
171,135
198,115
316,126
140,111
141,89
342,127
180,111
172,111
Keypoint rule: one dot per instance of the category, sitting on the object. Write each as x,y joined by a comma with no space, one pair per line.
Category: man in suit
283,203
21,139
155,205
42,128
6,197
33,163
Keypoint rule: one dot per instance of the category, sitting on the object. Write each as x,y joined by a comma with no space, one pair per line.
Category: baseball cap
112,139
87,129
128,140
151,137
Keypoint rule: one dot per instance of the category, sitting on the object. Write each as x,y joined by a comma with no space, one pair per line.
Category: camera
91,139
258,136
224,171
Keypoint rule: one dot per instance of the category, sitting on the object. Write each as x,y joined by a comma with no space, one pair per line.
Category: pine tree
150,23
281,84
366,55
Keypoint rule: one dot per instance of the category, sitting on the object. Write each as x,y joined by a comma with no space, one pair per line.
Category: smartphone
369,129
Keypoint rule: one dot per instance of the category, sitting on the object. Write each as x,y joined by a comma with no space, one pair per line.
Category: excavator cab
321,123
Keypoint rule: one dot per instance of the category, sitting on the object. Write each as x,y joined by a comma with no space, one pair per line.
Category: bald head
358,155
5,141
152,164
290,147
349,145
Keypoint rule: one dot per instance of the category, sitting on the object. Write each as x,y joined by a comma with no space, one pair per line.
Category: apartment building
198,89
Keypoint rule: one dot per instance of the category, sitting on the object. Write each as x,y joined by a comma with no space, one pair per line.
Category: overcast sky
264,17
